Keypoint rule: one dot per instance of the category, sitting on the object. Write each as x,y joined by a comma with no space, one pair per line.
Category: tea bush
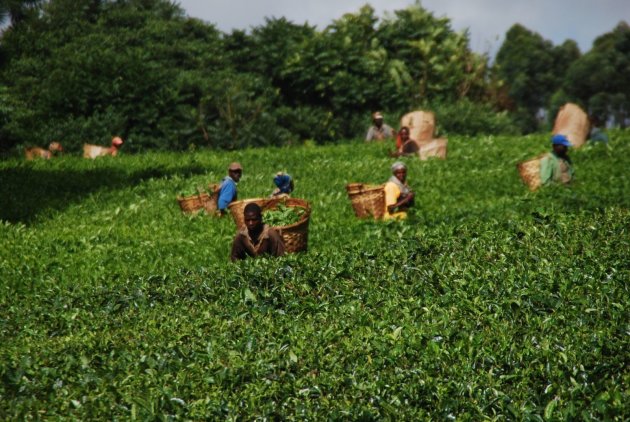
490,302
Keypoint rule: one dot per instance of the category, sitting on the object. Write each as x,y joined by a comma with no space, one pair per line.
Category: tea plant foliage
490,302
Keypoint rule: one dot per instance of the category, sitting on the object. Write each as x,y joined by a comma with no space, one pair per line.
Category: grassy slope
490,301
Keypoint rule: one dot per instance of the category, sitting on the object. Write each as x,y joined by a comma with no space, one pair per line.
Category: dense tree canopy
600,79
85,70
529,64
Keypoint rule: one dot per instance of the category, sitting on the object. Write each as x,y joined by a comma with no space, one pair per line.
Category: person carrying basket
256,238
227,191
398,196
556,166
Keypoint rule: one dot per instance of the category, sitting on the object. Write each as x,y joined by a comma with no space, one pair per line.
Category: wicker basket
367,200
210,205
294,236
573,122
194,203
530,172
435,148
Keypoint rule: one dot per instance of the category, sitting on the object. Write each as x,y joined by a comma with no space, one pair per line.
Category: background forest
84,70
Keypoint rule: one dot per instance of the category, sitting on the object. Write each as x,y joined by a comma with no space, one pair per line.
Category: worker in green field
227,191
256,238
379,131
556,167
284,185
398,196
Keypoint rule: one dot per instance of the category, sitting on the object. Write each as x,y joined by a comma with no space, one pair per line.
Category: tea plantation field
489,303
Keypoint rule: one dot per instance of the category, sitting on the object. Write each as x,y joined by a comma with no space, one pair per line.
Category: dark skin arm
407,199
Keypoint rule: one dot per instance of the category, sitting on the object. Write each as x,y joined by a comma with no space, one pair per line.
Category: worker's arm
404,201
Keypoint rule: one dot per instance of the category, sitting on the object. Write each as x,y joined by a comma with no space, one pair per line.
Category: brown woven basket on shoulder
294,236
530,172
194,203
367,200
210,205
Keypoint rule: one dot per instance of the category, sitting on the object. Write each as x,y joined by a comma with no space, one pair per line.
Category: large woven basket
530,172
367,200
435,148
202,201
421,125
572,122
427,149
294,236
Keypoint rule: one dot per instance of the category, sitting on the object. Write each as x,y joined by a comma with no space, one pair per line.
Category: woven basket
195,203
367,200
435,148
210,205
294,236
530,172
421,125
572,122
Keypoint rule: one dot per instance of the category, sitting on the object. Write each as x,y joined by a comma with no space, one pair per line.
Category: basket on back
294,236
421,125
572,122
530,172
192,204
434,148
367,200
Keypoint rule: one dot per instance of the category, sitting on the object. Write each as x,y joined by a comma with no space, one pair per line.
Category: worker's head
399,170
235,171
253,217
117,141
377,117
404,134
560,144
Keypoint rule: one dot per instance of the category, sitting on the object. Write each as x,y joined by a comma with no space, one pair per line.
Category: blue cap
560,140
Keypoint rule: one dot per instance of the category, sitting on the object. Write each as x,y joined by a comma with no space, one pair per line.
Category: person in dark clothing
256,238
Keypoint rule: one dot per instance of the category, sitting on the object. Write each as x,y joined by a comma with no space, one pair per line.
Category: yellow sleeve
392,193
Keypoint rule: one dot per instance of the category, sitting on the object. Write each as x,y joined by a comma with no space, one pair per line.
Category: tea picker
256,238
284,184
556,166
398,196
228,192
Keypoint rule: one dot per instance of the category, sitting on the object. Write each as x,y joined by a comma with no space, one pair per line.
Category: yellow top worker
398,196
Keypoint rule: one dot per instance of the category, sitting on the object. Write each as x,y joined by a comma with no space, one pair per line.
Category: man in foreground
556,167
256,238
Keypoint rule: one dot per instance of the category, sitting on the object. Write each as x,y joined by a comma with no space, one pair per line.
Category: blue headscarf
283,182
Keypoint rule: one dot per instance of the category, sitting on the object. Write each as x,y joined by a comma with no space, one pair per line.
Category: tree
526,63
438,60
599,79
15,11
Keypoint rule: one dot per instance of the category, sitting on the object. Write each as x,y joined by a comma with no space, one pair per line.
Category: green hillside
489,302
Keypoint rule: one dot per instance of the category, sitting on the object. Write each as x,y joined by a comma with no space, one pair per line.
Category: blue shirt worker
556,167
227,191
284,184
